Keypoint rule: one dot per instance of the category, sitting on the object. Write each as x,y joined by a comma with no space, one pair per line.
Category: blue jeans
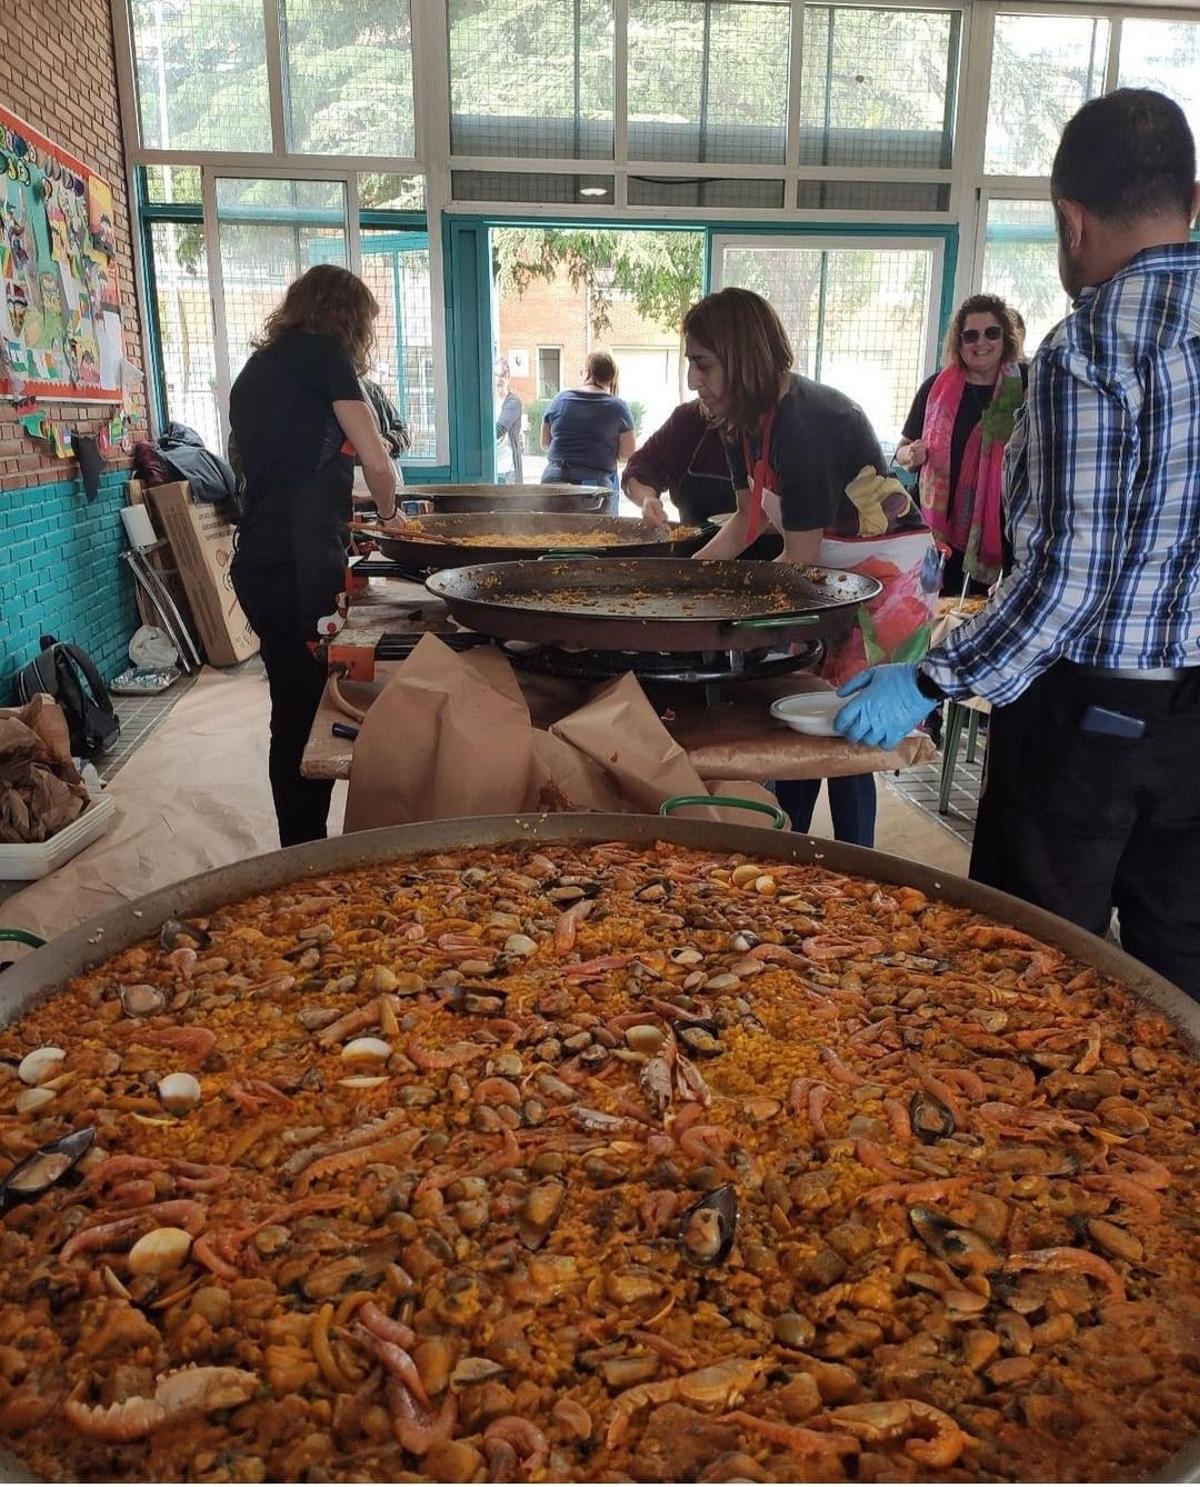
851,804
556,474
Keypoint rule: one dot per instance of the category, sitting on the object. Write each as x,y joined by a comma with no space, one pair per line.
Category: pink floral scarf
968,519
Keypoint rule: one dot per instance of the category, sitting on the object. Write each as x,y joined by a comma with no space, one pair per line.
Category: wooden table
736,739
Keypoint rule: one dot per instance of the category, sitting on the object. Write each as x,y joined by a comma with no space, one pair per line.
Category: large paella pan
436,542
592,1145
466,499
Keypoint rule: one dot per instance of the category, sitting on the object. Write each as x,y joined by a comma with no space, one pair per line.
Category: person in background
686,457
392,428
1090,651
587,430
954,436
1018,321
808,456
510,468
299,416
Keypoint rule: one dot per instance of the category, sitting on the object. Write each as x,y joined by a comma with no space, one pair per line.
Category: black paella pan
451,500
653,604
436,542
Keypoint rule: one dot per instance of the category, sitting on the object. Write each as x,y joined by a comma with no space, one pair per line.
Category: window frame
558,350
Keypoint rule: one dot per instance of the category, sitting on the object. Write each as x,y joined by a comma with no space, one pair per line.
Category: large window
1043,68
396,266
1020,264
531,79
1164,55
859,313
708,80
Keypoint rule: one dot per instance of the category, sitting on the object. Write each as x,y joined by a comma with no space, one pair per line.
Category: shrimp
998,936
1065,1257
796,1438
444,1058
829,947
189,1042
934,1438
707,1143
589,969
415,1428
518,1437
898,1119
567,927
843,1073
818,1097
873,1157
722,1384
916,1192
966,1080
1126,1190
359,1019
394,1358
204,1252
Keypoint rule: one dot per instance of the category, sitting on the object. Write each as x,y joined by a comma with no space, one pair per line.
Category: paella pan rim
39,975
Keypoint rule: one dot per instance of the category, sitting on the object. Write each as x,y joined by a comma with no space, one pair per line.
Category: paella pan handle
22,937
570,553
773,622
677,802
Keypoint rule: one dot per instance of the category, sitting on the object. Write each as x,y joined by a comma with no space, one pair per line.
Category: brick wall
57,73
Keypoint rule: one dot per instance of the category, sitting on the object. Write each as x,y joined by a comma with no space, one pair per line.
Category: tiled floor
139,716
920,786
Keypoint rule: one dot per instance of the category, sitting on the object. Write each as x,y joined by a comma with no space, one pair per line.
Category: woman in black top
298,414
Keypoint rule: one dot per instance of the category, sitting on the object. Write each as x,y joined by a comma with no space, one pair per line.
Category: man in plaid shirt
1090,651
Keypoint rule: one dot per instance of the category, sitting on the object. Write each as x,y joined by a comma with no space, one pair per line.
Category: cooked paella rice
597,1163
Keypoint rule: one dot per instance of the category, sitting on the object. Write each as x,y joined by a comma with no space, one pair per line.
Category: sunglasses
991,333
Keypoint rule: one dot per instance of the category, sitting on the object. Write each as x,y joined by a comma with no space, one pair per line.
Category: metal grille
708,80
867,196
171,183
201,74
532,83
512,185
391,193
268,233
1020,264
661,191
1043,68
1164,55
857,318
877,86
395,265
186,343
348,76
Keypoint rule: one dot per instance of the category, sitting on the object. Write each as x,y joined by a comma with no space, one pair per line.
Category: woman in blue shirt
587,429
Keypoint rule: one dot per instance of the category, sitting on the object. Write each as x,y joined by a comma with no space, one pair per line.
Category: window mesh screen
1020,264
186,346
1043,68
868,196
1164,55
269,232
659,191
396,268
857,318
535,82
512,185
201,74
877,86
171,183
391,193
348,70
708,80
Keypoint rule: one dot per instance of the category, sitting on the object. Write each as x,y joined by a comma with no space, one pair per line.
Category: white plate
810,712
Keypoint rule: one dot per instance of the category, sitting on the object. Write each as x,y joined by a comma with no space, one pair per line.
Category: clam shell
366,1050
160,1251
33,1099
179,1093
142,1000
364,1081
40,1065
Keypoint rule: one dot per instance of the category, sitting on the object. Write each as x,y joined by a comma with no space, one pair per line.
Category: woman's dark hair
601,369
979,304
332,302
747,337
1127,156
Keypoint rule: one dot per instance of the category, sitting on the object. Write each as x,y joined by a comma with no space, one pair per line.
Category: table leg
955,718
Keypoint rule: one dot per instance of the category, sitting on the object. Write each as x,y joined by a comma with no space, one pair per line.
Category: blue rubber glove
885,705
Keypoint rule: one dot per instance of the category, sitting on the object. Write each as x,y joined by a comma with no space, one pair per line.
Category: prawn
1065,1257
566,928
873,1157
512,1435
796,1438
843,1073
934,1438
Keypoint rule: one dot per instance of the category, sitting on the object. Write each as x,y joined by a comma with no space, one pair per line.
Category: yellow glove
871,493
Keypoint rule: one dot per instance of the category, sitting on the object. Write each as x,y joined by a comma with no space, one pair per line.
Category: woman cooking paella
805,458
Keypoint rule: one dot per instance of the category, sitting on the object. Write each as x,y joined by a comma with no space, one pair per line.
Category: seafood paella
596,1163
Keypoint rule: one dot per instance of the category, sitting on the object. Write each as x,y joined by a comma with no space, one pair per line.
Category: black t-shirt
819,443
975,399
280,408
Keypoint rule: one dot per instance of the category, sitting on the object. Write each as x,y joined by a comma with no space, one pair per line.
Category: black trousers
1082,822
297,680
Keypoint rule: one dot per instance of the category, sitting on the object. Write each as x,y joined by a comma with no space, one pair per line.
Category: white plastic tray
28,860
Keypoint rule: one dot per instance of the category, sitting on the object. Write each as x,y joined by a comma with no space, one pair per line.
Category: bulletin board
60,315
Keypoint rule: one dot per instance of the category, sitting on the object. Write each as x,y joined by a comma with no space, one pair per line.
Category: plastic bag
151,649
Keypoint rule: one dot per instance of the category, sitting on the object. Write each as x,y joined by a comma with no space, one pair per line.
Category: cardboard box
203,546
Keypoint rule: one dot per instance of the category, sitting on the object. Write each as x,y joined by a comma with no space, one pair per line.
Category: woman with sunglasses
955,434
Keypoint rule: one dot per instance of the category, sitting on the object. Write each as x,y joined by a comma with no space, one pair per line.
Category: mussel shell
707,1229
41,1169
931,1119
178,934
700,1038
540,1212
962,1249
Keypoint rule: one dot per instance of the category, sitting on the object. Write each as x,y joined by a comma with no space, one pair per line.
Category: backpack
69,676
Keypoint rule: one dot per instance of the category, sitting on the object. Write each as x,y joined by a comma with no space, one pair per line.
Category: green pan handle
22,937
566,552
773,622
676,802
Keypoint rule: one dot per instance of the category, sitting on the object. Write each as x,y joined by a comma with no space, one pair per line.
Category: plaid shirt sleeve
1079,459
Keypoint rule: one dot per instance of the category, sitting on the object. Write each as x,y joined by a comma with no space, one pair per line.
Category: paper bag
450,735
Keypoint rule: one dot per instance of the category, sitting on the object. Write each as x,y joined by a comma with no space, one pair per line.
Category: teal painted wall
61,574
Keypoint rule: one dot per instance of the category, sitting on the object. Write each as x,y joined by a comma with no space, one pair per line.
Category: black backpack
69,676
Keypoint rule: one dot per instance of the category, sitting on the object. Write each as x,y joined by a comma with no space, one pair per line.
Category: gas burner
707,668
392,646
